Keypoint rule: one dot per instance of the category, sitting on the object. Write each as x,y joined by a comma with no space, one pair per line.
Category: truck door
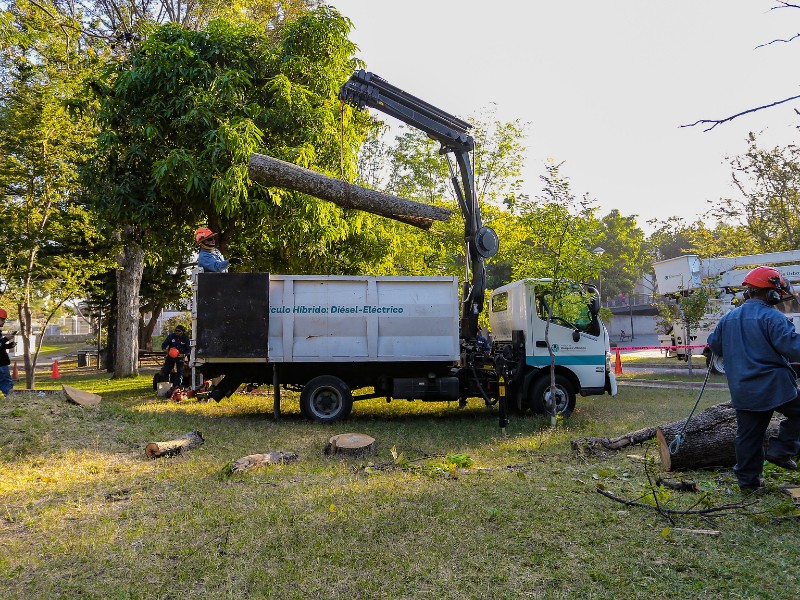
575,335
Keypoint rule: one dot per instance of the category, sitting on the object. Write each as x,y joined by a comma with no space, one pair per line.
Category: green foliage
625,256
170,324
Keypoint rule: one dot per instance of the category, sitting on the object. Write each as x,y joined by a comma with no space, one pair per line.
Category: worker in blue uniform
758,342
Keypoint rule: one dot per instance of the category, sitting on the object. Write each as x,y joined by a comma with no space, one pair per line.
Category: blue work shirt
173,340
212,261
757,342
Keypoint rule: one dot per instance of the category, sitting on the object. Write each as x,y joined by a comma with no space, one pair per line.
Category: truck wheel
326,399
716,363
542,401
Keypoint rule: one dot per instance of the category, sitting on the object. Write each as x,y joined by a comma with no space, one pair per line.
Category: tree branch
716,122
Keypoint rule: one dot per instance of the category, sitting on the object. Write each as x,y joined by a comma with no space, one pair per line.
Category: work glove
235,261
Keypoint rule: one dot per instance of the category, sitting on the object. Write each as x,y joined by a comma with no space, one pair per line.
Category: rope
675,444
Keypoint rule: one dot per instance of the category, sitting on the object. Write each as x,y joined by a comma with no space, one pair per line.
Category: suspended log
277,173
188,441
351,444
252,461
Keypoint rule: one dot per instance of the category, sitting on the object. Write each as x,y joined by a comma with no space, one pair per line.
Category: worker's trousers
6,383
751,425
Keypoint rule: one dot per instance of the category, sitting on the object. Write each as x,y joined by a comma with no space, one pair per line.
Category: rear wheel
558,401
326,399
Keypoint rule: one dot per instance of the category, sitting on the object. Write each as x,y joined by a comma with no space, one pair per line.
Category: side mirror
576,335
594,306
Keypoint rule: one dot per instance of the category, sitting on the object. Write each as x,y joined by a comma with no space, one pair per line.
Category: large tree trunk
129,279
277,173
708,441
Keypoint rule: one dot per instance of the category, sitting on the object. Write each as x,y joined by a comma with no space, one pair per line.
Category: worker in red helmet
177,346
757,343
210,258
6,343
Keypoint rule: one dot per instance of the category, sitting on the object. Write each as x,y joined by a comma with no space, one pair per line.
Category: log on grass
252,461
188,441
351,444
277,173
707,441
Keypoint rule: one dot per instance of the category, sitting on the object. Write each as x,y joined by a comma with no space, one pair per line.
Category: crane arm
365,89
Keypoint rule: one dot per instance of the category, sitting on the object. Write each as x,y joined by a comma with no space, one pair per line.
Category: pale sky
604,84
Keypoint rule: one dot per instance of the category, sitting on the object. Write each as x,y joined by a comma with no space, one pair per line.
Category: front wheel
326,399
560,401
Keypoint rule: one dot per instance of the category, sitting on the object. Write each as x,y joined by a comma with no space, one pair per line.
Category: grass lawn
83,513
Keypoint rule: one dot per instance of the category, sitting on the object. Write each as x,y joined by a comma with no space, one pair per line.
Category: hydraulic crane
365,89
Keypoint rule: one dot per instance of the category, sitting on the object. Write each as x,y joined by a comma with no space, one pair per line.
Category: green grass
83,513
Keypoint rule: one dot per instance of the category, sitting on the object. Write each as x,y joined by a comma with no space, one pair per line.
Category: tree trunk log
707,442
129,280
259,460
277,173
188,441
351,444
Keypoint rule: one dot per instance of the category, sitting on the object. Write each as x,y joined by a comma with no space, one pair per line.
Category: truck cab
576,340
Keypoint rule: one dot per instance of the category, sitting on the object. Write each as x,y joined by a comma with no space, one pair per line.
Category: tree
181,117
625,253
50,240
769,203
557,243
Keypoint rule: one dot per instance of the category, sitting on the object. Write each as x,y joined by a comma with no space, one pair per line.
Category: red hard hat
173,352
3,313
203,233
766,278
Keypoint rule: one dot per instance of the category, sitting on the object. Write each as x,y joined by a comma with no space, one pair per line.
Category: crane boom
365,89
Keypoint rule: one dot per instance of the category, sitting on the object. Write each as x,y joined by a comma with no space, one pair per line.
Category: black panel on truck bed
232,315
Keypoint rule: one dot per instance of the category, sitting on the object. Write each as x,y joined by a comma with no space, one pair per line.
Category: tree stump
252,461
352,445
188,441
277,173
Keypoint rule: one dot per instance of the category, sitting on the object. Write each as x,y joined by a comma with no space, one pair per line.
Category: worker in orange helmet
210,258
757,343
6,343
177,346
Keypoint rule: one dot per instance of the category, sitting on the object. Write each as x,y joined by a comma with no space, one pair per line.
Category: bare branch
715,122
795,36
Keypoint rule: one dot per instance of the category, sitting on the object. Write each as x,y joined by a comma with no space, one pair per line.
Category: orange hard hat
202,234
765,277
3,313
173,352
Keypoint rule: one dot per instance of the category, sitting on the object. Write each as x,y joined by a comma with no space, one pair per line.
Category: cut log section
188,441
351,444
252,461
709,439
277,173
80,397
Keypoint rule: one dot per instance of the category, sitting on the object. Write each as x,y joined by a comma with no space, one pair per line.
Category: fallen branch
252,461
188,441
714,511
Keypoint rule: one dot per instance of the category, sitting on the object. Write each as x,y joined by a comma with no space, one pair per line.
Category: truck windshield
570,309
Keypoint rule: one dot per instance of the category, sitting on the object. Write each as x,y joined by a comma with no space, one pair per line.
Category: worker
757,343
177,346
210,258
6,343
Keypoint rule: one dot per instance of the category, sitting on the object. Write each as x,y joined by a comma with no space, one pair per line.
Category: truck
685,274
340,339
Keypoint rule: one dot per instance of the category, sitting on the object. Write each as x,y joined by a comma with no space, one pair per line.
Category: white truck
684,274
401,337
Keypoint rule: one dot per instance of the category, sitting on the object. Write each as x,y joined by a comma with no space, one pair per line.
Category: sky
604,85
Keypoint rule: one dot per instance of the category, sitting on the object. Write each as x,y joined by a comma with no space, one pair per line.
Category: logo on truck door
555,348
